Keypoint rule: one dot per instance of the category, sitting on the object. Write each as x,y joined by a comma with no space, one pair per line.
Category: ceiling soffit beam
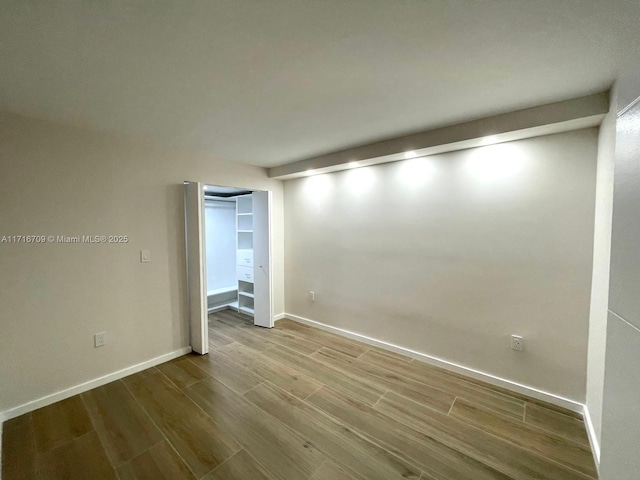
573,114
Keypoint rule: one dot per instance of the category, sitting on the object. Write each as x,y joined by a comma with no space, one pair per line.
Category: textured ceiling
271,82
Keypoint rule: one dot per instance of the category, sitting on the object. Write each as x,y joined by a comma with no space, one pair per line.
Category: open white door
263,301
196,267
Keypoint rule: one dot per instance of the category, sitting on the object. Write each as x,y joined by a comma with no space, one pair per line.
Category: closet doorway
228,244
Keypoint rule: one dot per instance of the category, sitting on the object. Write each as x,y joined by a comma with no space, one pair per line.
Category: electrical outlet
312,296
517,343
99,339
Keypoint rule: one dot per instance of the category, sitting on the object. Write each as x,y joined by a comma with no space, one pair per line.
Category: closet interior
228,214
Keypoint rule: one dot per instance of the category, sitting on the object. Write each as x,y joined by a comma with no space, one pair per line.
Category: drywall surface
601,262
621,416
449,255
66,182
220,234
621,409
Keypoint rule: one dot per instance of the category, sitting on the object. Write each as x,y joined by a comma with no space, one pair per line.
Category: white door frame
196,266
196,263
262,259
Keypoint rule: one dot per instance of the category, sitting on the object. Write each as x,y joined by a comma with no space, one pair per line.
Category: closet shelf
217,291
244,254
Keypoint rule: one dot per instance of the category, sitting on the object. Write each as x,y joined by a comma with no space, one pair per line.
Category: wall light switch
145,256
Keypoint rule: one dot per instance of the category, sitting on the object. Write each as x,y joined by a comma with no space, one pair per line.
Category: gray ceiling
274,81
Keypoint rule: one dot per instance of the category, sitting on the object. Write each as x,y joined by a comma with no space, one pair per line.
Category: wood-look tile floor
290,403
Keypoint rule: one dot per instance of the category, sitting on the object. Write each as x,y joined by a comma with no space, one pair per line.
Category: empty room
320,240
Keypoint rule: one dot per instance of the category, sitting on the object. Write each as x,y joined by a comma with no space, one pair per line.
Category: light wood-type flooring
295,403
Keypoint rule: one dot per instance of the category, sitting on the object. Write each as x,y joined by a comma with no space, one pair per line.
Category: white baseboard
83,387
279,316
593,439
453,367
219,308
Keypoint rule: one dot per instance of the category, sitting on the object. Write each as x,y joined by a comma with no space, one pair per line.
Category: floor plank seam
395,389
551,433
362,435
66,444
378,401
221,463
454,377
367,350
451,407
314,392
478,459
166,439
556,434
294,333
564,413
520,447
106,451
264,380
269,472
341,371
336,421
431,386
209,376
285,427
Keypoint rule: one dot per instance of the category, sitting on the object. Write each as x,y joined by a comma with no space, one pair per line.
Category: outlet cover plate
517,343
99,339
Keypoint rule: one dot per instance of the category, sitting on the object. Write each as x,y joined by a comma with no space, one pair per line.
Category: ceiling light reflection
416,171
318,187
360,180
490,140
496,162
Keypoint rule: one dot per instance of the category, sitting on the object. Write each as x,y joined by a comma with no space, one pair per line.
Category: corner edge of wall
593,439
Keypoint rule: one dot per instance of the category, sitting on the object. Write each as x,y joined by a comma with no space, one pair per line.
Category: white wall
620,459
220,236
57,180
601,261
451,254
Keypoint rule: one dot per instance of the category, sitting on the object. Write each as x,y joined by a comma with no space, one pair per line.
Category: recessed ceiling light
410,154
489,140
353,164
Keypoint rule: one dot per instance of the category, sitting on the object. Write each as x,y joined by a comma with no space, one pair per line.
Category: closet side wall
220,230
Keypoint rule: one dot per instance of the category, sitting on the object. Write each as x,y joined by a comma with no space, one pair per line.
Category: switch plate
99,339
145,256
312,296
